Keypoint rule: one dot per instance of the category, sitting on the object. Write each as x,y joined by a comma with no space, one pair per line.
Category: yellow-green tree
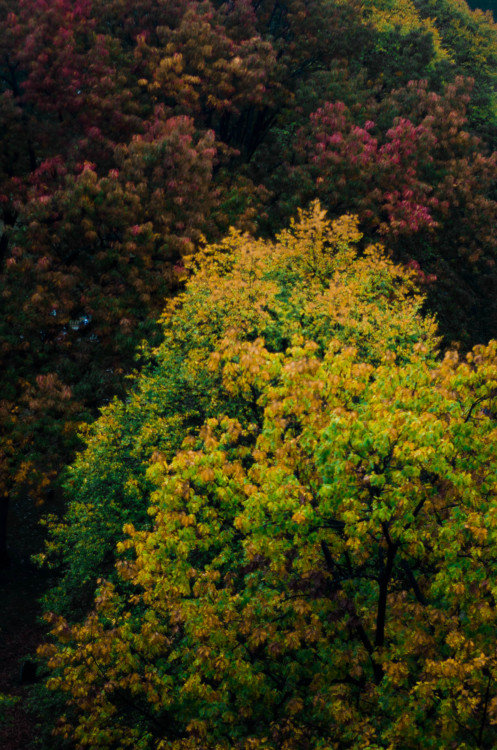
309,282
320,572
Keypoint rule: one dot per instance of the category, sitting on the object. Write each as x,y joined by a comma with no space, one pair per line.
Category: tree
326,584
105,184
482,5
417,178
470,39
318,571
89,263
257,288
96,213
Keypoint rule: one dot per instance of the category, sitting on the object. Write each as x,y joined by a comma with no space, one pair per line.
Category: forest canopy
248,283
131,129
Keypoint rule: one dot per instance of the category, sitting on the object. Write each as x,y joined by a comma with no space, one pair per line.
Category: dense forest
248,362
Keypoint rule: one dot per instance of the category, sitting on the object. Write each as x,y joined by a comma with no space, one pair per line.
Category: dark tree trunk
4,511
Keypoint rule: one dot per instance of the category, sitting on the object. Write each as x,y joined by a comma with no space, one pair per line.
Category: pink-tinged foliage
424,175
89,267
350,164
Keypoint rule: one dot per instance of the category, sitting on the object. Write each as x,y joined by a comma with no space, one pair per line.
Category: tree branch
384,580
412,580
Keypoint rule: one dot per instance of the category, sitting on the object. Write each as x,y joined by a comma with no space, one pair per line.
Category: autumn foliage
131,129
317,570
290,427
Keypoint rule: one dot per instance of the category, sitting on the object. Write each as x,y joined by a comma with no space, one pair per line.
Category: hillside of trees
248,311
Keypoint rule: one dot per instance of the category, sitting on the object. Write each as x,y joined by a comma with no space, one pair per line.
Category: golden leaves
323,521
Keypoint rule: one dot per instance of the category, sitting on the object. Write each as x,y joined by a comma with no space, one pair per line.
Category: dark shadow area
482,5
21,585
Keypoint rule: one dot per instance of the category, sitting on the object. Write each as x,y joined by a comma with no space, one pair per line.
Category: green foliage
244,286
6,702
407,46
250,287
470,39
317,570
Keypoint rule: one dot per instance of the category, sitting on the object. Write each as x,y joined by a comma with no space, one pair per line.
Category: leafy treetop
319,569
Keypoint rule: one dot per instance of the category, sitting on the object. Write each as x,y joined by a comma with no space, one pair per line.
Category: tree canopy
317,571
130,129
279,531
